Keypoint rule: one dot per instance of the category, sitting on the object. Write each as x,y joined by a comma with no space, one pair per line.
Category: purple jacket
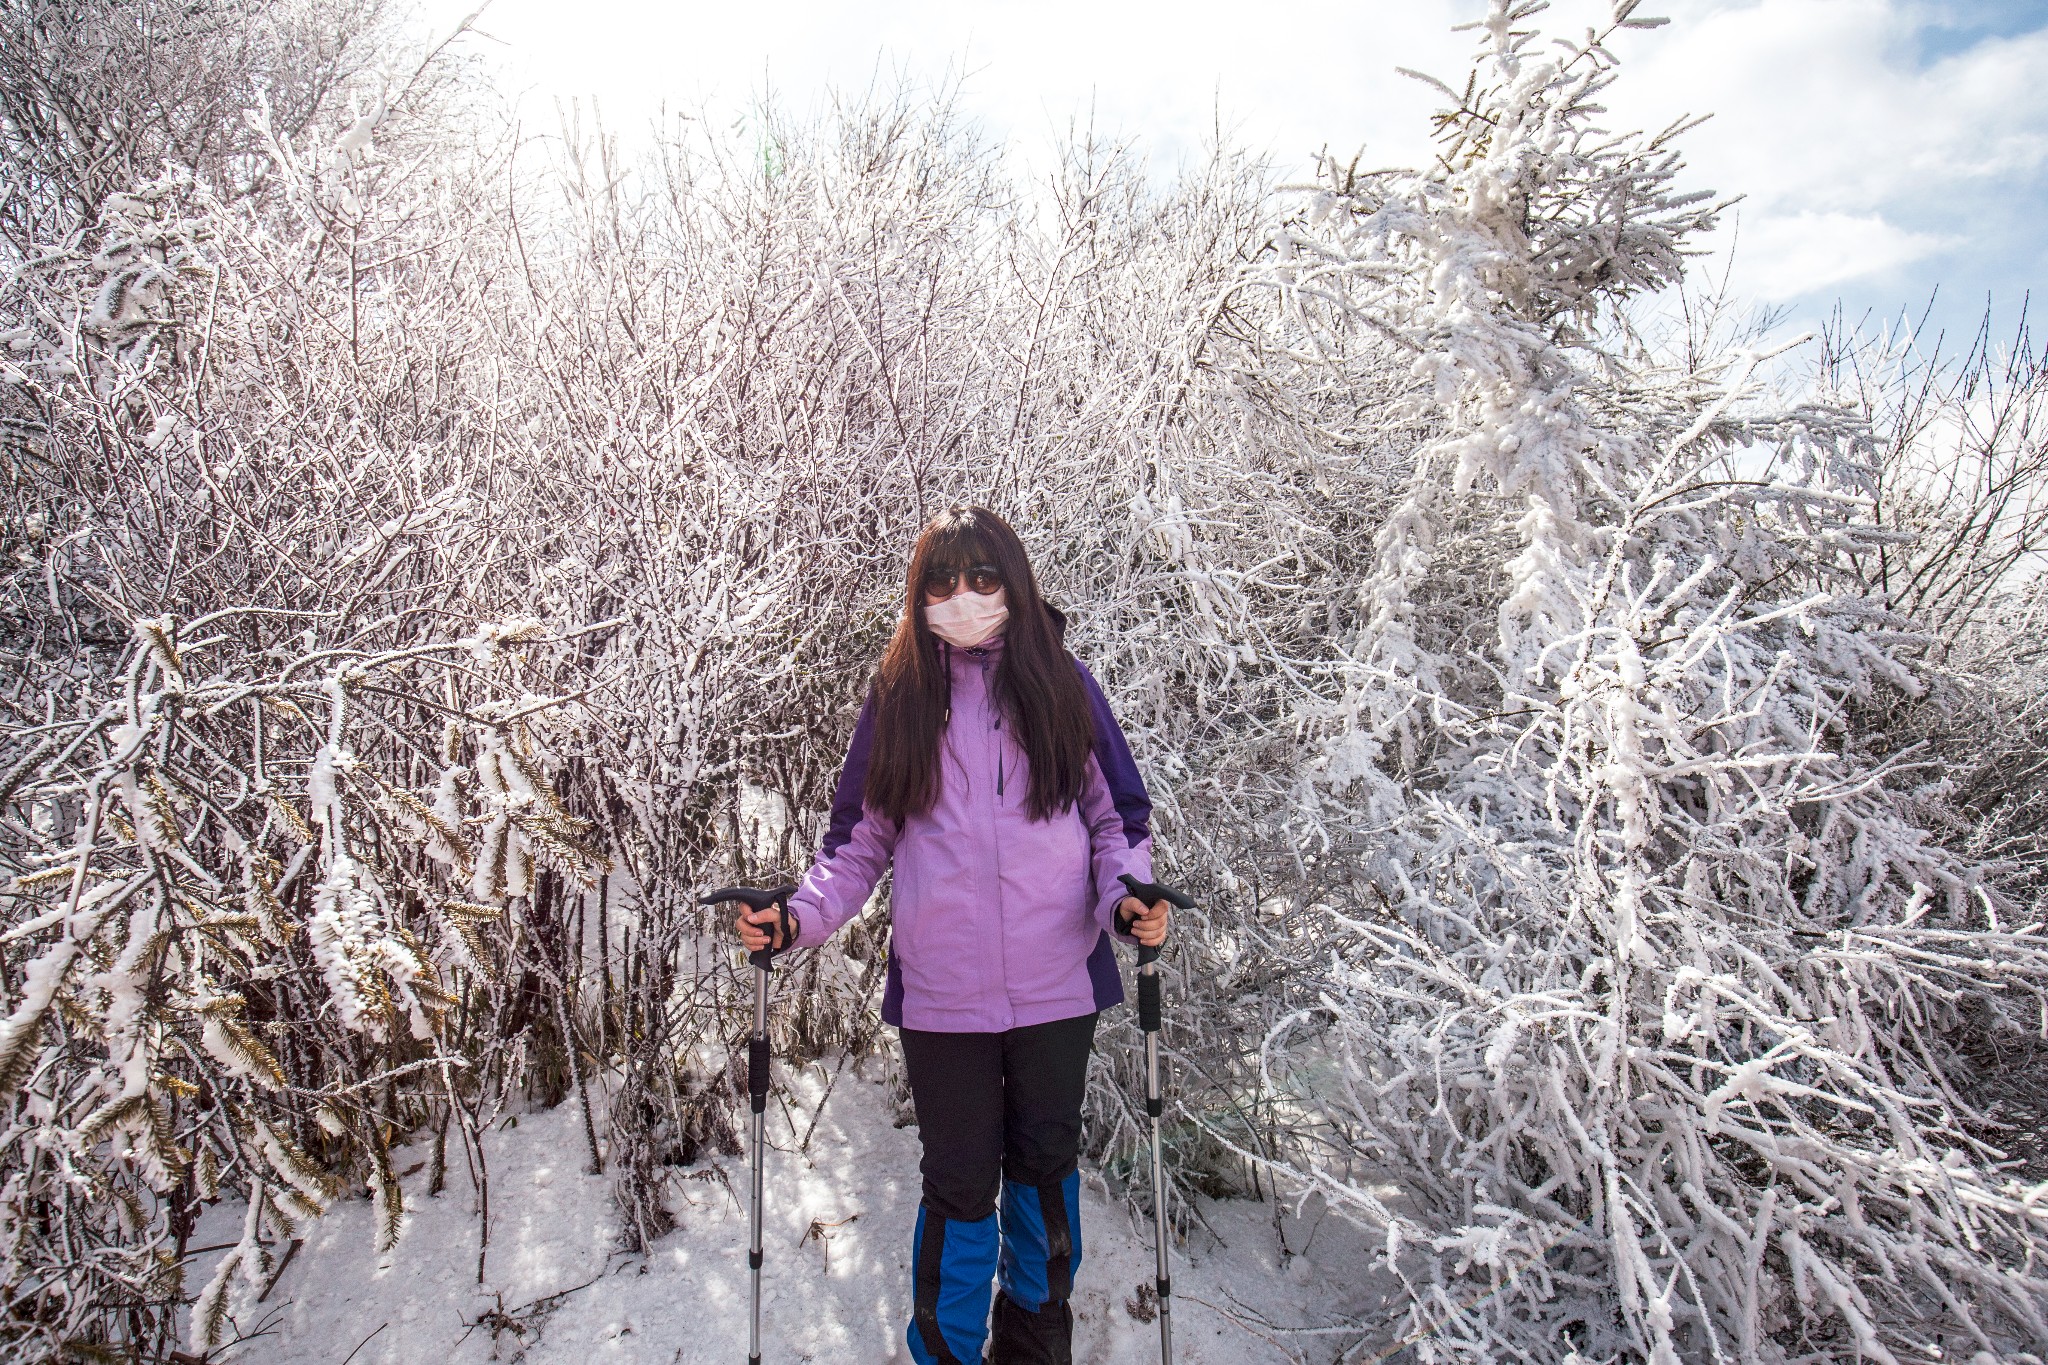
1000,921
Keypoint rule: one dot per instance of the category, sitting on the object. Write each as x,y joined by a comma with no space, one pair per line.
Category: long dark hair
1036,684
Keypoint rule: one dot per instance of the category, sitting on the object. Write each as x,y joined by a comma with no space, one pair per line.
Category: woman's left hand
1147,924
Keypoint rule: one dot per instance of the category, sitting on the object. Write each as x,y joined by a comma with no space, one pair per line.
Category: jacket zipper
998,724
995,848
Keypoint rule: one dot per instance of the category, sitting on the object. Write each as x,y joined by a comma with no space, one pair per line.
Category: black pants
1000,1118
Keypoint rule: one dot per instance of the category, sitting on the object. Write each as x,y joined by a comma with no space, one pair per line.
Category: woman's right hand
1145,923
760,929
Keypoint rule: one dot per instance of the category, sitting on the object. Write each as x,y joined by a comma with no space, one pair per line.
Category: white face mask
967,618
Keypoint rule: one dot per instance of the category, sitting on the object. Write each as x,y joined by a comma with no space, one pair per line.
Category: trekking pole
1151,893
754,898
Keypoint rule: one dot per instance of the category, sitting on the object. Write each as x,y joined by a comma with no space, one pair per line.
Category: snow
558,1292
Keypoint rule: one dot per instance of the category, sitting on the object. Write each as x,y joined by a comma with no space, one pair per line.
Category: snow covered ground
556,1291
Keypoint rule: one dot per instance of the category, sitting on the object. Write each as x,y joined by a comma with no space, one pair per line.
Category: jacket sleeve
1116,809
857,848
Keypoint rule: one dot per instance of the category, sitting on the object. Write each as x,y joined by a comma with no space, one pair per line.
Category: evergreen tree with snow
1644,1010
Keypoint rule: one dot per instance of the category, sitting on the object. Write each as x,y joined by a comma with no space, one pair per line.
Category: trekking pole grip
1151,893
762,898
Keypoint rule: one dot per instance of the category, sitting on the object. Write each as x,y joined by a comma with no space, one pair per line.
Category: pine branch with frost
389,1199
234,1046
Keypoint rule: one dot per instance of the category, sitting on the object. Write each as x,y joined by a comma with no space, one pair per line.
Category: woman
987,767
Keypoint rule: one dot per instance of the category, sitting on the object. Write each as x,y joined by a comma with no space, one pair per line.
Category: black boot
1020,1337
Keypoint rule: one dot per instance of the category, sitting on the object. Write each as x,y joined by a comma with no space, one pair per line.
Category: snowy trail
839,1298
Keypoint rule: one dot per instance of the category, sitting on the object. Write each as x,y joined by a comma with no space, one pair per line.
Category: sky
1883,148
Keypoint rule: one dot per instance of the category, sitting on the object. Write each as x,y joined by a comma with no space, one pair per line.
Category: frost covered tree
1649,1005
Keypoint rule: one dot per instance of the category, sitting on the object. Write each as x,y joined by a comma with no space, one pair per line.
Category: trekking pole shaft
1150,1019
781,937
757,1095
1155,1107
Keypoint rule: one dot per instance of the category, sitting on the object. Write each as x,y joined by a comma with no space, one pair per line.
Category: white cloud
1834,133
1821,101
1787,255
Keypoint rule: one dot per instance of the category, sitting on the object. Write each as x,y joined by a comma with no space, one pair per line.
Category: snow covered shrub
242,932
287,794
1643,1004
100,96
1962,466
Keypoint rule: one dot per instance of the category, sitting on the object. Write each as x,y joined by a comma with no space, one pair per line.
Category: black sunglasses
983,578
